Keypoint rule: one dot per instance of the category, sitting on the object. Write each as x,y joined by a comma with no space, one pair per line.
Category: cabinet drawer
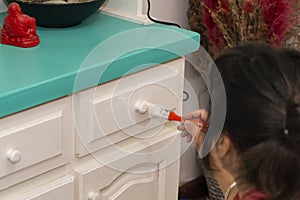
106,115
59,189
34,141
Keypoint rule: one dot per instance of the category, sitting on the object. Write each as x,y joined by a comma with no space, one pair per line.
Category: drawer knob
13,156
141,106
94,196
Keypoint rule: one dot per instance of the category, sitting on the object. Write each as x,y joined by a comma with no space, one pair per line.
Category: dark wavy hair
263,116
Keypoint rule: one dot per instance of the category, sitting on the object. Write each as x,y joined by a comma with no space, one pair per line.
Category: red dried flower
228,23
277,15
248,6
213,32
224,6
211,4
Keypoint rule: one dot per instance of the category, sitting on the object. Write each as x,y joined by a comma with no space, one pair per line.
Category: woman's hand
191,130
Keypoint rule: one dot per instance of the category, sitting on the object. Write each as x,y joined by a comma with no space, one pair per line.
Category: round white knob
14,156
141,106
94,196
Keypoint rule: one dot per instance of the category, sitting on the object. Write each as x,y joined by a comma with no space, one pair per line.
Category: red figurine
19,29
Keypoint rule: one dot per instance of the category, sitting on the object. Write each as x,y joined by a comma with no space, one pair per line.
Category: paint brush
158,111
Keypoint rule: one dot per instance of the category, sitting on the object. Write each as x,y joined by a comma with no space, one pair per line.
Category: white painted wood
149,177
60,189
129,6
159,154
106,115
34,141
13,155
132,10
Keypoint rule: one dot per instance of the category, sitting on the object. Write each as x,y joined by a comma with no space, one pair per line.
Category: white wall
165,10
126,6
171,10
3,7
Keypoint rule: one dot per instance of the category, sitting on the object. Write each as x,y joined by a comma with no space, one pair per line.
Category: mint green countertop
32,76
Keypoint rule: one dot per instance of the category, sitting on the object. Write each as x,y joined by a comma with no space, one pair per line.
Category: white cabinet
149,172
93,145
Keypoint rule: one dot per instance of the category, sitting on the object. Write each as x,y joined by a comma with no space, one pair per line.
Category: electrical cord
158,21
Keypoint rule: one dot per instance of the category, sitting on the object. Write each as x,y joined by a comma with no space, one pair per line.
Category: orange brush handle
174,117
202,124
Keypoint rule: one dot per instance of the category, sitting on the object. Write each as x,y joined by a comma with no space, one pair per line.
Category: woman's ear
223,145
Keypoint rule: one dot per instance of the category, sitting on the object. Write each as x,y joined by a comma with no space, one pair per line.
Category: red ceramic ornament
19,29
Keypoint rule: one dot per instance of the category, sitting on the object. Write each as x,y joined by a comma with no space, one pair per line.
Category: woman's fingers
184,134
197,114
189,138
181,127
191,128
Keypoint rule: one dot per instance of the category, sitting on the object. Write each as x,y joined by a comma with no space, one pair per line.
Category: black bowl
57,15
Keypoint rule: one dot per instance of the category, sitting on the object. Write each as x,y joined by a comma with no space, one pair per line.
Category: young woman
257,156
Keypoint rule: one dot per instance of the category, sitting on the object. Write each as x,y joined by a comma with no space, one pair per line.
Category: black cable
158,21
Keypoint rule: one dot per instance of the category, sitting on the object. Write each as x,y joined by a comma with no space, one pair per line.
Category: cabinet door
146,181
149,174
124,185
